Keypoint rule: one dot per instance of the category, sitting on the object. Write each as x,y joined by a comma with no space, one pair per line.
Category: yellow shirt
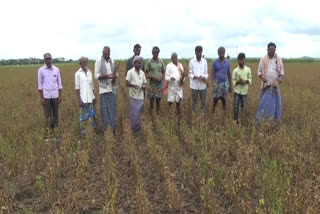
244,74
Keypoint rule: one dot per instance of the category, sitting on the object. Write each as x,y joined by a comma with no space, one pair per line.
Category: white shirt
172,70
97,73
136,79
84,82
198,68
273,74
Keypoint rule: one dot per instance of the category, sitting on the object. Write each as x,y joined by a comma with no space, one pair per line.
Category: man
241,78
221,79
270,71
85,94
175,77
49,86
136,52
198,74
106,73
137,81
155,73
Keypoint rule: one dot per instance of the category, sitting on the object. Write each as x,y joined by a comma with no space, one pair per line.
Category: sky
75,28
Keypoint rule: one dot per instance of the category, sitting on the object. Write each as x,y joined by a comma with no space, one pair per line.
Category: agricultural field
187,164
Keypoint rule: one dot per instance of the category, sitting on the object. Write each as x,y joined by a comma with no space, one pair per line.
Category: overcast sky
72,28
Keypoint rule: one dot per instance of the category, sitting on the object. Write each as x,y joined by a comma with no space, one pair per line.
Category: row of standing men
162,80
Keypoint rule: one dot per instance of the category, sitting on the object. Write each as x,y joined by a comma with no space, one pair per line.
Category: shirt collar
80,69
195,58
46,67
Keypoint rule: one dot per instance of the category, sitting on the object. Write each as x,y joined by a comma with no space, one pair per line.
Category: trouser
203,98
243,101
51,112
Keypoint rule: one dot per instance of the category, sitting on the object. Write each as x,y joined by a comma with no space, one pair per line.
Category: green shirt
244,74
156,69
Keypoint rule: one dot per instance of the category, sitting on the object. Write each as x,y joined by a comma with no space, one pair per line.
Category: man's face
271,51
241,62
174,59
221,54
137,64
199,54
84,64
155,54
106,53
137,51
48,62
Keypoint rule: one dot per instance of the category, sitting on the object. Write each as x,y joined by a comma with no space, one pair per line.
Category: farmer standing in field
137,81
136,52
241,78
155,70
198,74
49,86
85,93
221,79
106,74
175,77
270,71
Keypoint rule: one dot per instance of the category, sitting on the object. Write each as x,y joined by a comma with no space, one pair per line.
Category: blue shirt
221,70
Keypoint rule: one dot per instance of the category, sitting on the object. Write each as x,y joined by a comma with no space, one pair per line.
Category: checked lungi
270,104
108,105
87,116
220,90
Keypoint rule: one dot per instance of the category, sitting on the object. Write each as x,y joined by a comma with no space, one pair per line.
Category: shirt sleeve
282,69
128,77
191,74
234,79
167,76
92,81
260,68
59,79
40,82
77,81
97,69
113,67
144,79
249,76
206,70
213,66
163,67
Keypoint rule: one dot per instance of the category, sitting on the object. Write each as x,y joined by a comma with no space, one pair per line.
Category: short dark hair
221,49
136,46
198,49
271,44
241,56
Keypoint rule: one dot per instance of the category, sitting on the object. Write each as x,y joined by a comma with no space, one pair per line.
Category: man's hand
280,79
136,87
43,101
202,79
230,89
80,103
263,79
59,99
94,101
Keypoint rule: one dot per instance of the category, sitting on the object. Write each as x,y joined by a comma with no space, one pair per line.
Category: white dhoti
175,94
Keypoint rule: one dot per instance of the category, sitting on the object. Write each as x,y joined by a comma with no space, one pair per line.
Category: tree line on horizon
34,61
